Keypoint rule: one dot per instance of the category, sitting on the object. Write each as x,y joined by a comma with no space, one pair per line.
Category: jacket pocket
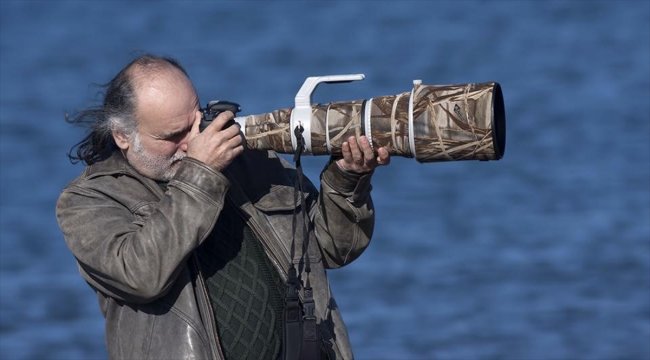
280,198
278,206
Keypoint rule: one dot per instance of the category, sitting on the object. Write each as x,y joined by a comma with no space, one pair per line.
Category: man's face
166,108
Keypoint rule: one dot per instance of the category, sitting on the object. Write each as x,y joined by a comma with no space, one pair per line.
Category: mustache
178,157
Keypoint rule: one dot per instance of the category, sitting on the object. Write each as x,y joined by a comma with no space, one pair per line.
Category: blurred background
544,254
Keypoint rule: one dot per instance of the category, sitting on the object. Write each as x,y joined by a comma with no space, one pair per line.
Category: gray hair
117,113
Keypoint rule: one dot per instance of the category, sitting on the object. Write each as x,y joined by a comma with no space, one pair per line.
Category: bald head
162,92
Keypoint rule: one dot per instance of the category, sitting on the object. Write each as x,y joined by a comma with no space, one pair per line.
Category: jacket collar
115,164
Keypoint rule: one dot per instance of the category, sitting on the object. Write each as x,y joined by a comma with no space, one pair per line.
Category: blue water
542,255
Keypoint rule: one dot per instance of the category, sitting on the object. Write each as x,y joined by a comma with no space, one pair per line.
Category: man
192,243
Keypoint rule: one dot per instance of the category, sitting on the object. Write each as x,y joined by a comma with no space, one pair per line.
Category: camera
214,108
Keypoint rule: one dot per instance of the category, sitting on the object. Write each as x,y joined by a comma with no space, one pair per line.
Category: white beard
154,166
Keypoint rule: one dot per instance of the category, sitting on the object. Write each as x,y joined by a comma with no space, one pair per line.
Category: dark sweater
246,291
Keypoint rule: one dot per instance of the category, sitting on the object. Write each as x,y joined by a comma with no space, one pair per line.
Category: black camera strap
301,339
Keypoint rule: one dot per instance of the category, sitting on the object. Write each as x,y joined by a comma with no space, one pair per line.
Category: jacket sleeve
137,260
344,216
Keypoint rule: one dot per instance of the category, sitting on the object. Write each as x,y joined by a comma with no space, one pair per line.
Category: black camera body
214,108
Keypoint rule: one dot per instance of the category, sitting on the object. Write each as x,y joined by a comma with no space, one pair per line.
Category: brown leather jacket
135,245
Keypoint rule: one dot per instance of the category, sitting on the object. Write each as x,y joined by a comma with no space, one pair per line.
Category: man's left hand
359,157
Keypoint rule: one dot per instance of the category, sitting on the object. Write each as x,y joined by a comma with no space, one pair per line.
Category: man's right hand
215,146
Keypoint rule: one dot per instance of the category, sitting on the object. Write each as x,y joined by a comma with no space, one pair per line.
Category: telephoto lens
430,123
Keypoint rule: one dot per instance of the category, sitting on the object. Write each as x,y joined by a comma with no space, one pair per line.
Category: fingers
362,152
220,121
221,129
357,155
219,144
383,157
196,125
369,157
235,141
231,140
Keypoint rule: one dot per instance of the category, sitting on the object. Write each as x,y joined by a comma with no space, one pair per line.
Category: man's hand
359,157
215,146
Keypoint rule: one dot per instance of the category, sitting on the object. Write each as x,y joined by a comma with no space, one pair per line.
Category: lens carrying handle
302,112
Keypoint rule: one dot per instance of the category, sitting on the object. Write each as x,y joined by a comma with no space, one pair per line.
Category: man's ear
121,139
